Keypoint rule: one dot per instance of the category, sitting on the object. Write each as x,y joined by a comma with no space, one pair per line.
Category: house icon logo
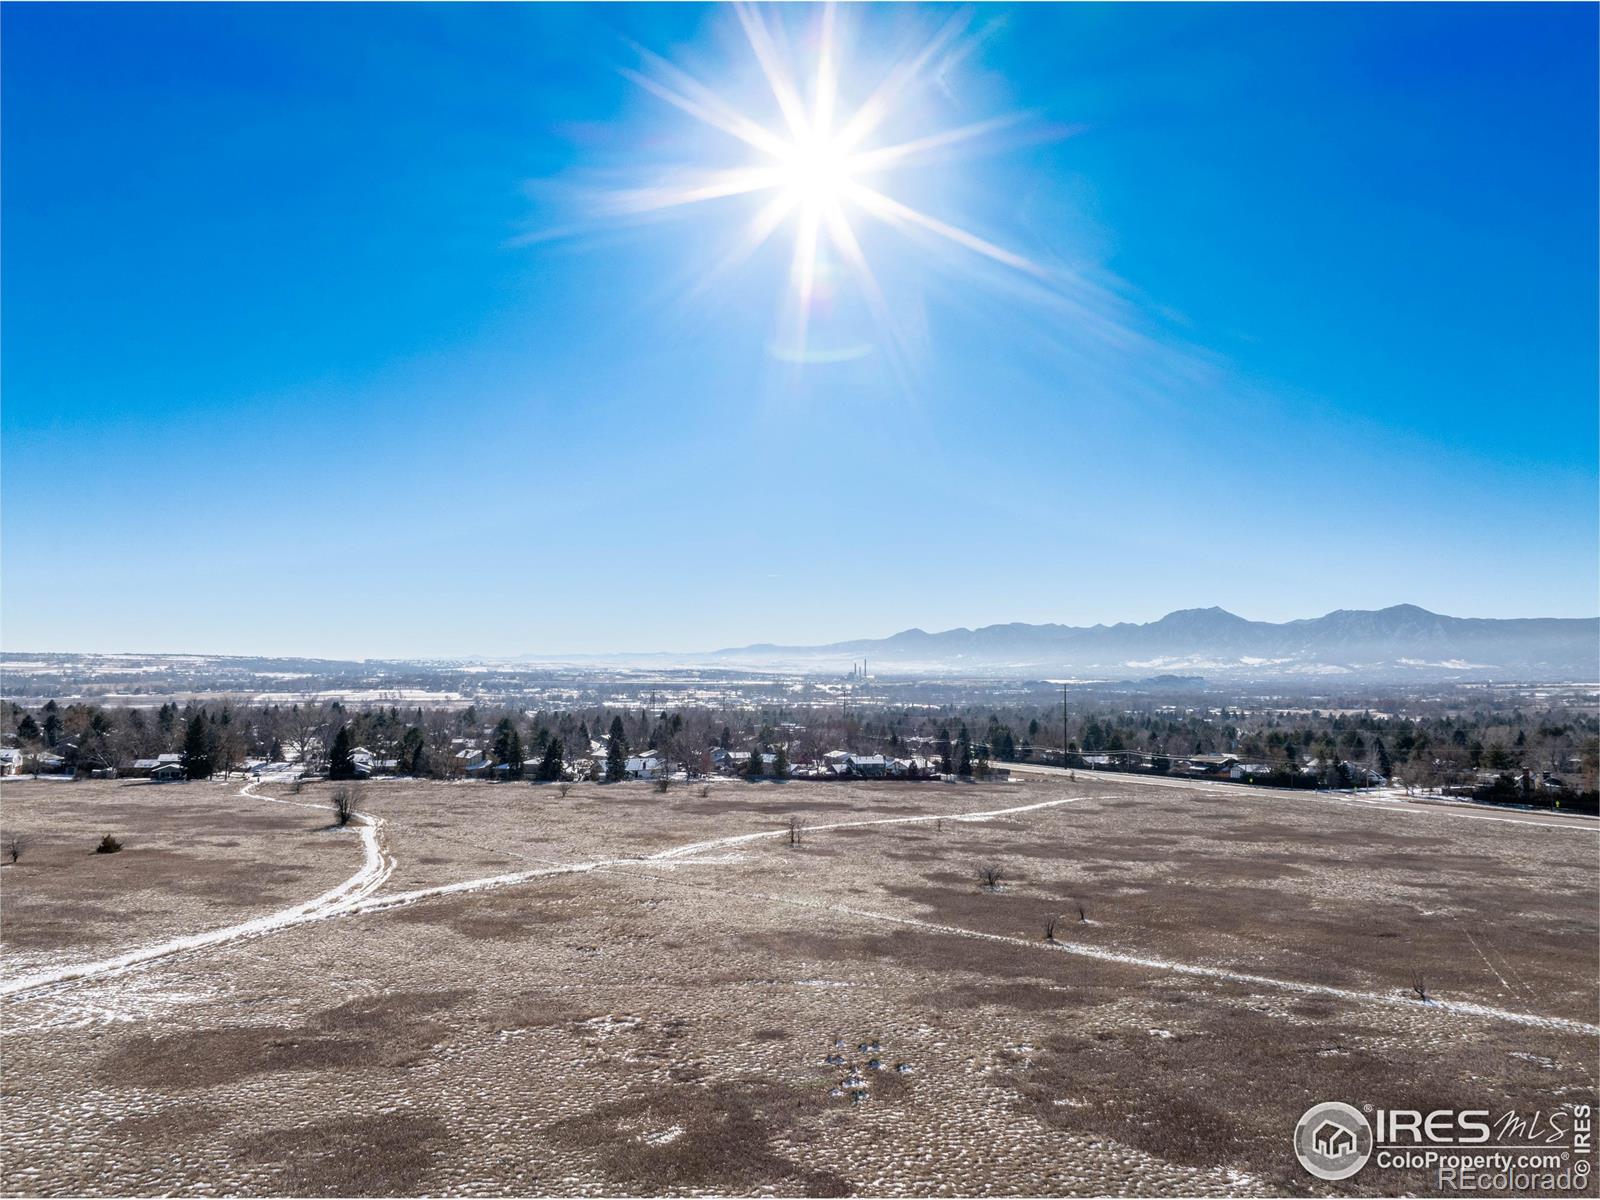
1333,1141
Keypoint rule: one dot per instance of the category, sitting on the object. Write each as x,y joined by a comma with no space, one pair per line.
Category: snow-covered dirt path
1387,800
376,866
1389,999
1394,999
355,895
677,855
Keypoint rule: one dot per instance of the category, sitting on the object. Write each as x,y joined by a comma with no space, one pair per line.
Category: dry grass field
620,992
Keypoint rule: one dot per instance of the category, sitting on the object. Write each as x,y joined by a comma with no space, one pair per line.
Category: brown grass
388,1031
1226,1089
548,1036
507,915
374,1155
725,1141
194,858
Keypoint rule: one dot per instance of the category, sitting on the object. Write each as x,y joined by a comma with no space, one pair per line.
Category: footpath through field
1390,803
377,865
355,896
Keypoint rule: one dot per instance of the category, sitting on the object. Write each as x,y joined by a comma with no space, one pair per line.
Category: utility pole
1063,725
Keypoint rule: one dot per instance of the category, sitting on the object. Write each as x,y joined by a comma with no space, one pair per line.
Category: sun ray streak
703,104
754,235
891,210
849,248
804,274
844,240
783,89
901,152
827,81
713,186
876,107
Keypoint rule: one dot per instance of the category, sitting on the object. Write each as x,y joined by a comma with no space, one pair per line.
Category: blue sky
319,337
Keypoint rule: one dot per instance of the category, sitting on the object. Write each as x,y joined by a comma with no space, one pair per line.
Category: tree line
1427,748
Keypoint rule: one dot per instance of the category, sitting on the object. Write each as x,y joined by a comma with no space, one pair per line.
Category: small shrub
1050,929
663,784
564,787
990,876
1083,914
344,805
1419,986
108,845
14,848
705,790
296,786
797,830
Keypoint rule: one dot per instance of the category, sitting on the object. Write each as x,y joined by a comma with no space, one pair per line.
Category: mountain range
1401,642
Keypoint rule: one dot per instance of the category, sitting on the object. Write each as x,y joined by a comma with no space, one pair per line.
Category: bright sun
813,174
816,171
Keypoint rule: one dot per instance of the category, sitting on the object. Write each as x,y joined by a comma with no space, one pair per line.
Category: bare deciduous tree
664,783
1083,913
14,847
990,876
797,830
229,741
1050,929
303,727
1419,986
564,787
437,732
344,805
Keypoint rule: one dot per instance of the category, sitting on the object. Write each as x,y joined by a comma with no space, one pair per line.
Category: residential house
1212,766
649,764
869,766
1364,776
1247,771
471,761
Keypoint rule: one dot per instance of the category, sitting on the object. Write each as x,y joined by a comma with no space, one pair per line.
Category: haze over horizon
1400,614
393,333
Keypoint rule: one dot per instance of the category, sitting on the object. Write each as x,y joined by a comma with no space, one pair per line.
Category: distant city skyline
390,331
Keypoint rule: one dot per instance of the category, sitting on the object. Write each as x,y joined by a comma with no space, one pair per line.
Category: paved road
1412,806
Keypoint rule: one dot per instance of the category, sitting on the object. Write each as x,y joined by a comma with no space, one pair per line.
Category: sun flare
816,171
819,171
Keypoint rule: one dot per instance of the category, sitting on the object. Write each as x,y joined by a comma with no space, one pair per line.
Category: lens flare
814,169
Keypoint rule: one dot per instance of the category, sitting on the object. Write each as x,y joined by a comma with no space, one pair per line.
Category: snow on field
667,988
375,869
357,895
